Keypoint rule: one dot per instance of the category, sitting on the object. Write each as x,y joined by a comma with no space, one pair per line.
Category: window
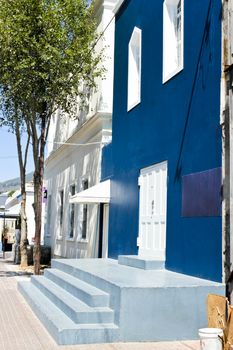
134,69
48,215
61,197
173,13
84,219
71,230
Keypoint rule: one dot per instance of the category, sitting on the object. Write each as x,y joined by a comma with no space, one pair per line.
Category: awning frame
99,193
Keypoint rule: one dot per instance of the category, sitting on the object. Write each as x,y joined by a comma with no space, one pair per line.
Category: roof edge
118,6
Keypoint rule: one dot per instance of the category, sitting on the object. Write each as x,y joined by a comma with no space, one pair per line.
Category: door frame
141,251
103,230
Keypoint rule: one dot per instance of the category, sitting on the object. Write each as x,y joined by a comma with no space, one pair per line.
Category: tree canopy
46,50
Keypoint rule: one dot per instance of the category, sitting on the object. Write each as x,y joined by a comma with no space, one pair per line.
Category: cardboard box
220,315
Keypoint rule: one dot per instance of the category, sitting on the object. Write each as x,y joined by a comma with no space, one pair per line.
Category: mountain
13,184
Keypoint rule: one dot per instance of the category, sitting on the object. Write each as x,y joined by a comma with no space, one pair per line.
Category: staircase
72,310
100,300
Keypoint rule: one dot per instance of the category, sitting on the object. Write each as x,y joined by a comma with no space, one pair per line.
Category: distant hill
13,184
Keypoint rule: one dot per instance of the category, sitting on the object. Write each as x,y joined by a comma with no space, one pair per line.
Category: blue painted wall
177,121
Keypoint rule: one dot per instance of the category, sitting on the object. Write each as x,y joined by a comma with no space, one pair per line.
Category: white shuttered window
134,69
173,19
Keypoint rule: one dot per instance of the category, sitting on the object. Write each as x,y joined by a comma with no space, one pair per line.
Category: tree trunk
38,189
38,207
22,167
23,239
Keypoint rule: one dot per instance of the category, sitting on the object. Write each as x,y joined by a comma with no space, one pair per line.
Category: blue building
165,158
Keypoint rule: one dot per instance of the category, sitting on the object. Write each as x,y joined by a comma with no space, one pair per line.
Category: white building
74,160
11,212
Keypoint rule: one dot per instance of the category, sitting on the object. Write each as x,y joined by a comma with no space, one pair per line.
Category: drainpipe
227,135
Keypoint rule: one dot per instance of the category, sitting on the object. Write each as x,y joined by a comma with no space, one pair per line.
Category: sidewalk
21,330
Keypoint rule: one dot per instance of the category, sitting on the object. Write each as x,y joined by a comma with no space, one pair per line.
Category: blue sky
9,167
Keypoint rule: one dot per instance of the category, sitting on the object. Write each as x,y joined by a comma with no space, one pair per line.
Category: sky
9,167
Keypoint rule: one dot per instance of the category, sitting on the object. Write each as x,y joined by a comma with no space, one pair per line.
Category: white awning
96,194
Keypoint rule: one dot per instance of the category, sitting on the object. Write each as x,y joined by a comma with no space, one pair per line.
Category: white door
152,211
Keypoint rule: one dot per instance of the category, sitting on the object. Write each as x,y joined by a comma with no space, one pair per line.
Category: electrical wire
62,143
11,157
78,144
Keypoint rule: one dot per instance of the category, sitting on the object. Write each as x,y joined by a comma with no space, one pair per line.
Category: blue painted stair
84,291
74,312
100,300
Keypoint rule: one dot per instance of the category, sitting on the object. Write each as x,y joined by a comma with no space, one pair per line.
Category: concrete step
88,294
74,267
163,299
60,326
145,263
149,295
74,308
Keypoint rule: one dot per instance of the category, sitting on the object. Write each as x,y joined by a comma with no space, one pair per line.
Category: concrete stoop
98,300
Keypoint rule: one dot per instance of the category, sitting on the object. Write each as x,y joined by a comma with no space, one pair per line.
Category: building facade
165,158
74,159
156,188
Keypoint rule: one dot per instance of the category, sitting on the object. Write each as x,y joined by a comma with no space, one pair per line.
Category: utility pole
227,135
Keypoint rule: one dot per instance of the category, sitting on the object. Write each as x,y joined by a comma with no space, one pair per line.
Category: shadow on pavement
14,273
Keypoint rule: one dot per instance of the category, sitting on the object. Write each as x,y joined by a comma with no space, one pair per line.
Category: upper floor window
173,18
134,69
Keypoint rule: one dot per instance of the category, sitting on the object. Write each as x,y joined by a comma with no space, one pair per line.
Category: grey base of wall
99,300
45,254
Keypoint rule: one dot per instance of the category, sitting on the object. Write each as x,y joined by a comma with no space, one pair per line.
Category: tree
13,119
47,50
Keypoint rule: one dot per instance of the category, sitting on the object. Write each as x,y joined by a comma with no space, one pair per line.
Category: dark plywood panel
201,194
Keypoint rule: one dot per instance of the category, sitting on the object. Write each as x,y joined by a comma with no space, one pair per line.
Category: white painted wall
67,165
100,101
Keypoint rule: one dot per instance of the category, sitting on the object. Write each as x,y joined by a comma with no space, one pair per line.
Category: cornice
84,133
117,6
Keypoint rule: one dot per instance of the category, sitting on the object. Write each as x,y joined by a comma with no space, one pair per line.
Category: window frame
60,214
48,215
131,103
172,40
84,212
72,191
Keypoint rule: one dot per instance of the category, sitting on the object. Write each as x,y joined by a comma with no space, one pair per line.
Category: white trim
172,74
131,103
82,240
105,231
68,237
117,7
80,182
167,75
48,215
90,131
59,235
150,242
151,167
